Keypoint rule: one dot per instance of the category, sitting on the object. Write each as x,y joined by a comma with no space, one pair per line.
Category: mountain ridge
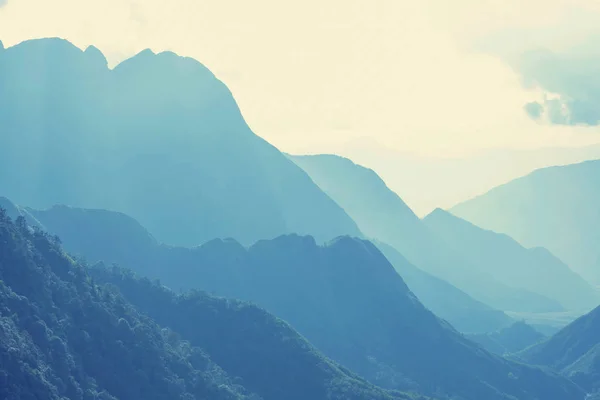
127,138
348,300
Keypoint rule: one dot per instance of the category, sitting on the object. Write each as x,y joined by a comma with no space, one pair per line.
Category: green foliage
66,332
62,336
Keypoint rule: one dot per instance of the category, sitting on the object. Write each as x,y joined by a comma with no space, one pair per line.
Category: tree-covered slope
267,355
66,334
158,137
348,301
62,336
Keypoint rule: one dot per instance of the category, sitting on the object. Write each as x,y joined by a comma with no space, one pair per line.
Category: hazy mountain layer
535,270
158,137
511,339
556,208
575,351
382,215
446,301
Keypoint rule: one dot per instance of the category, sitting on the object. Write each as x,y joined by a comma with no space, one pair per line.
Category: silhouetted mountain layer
511,339
158,137
382,215
446,301
64,335
345,298
575,351
535,270
121,237
556,208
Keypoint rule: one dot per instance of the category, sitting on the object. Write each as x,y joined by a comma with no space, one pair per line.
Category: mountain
123,239
344,297
290,368
511,339
446,301
427,182
535,270
556,208
158,137
381,214
67,332
575,351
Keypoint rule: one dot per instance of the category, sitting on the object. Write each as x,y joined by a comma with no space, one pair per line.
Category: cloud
3,3
570,85
534,109
558,60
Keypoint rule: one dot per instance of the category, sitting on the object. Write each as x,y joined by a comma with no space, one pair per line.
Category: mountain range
381,214
536,270
555,207
344,297
510,339
128,139
67,332
574,351
240,272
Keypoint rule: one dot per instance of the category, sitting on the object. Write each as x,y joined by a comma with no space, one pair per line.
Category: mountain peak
96,56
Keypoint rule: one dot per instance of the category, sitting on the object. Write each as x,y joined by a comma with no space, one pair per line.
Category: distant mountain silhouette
446,301
575,351
511,339
158,137
382,215
345,298
535,270
67,334
556,208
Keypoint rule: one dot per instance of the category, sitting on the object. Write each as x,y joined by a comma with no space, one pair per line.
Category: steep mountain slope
556,208
114,235
575,351
536,270
158,137
446,301
511,339
241,331
64,336
345,298
382,215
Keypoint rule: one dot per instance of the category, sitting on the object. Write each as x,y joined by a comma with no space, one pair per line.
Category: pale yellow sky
310,76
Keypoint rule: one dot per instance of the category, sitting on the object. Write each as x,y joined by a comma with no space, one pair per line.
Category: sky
429,78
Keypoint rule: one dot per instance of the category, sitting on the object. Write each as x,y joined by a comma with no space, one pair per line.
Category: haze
421,78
